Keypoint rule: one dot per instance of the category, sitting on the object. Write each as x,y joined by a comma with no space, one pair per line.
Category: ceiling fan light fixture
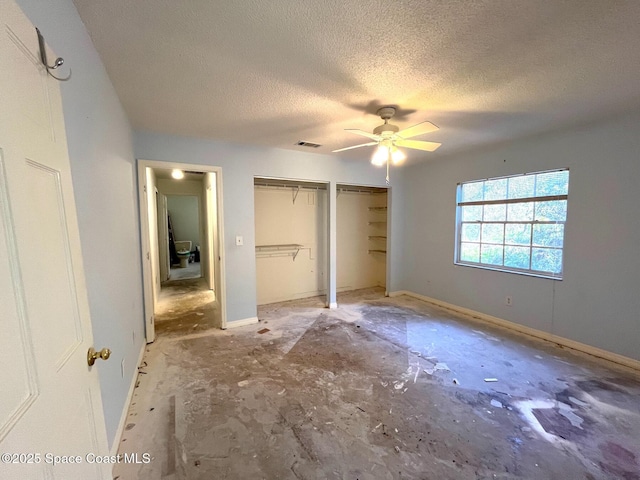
380,156
397,156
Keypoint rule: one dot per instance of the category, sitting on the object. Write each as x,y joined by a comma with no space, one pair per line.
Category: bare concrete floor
378,389
185,307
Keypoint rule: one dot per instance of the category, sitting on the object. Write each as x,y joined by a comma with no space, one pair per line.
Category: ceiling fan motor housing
386,130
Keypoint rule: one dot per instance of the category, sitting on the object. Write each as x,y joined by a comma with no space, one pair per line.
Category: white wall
185,218
240,164
357,268
278,220
102,165
597,302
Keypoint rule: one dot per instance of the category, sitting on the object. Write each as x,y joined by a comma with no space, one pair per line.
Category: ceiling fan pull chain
388,163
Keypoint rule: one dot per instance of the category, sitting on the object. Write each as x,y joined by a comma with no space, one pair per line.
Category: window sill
504,270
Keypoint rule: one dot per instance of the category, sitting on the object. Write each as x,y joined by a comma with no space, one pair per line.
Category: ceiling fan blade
418,144
372,136
418,129
355,146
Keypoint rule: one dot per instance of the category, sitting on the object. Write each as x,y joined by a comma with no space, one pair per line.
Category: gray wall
598,301
239,165
102,165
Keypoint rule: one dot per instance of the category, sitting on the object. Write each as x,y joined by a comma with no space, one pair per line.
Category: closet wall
291,236
361,237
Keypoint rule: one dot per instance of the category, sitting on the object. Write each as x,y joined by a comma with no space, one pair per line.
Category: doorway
183,261
185,232
291,239
362,237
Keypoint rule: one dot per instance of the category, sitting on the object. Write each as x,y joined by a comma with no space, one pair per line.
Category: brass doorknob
92,355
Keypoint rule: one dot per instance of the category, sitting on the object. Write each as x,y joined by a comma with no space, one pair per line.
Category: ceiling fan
389,137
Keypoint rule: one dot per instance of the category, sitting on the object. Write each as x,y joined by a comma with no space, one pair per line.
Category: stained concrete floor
381,388
185,307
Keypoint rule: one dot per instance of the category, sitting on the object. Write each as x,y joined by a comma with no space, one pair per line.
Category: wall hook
43,58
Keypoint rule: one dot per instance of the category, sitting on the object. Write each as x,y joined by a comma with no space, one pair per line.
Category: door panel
20,385
47,215
50,398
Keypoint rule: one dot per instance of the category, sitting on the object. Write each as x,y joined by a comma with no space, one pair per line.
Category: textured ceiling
275,72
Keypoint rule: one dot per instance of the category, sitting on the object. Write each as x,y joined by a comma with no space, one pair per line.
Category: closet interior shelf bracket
279,250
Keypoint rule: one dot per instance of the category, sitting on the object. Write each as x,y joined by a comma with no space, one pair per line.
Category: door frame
149,306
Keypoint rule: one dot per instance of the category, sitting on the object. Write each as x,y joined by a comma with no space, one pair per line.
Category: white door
50,400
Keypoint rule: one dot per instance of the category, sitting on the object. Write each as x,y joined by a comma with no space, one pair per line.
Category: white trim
145,249
550,337
333,305
242,323
125,409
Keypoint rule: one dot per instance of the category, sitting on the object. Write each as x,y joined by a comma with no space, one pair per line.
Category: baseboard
125,410
500,322
242,323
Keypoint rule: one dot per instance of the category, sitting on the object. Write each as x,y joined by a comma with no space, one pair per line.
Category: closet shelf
378,209
377,237
279,250
378,251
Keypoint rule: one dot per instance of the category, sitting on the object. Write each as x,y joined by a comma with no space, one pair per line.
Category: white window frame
531,246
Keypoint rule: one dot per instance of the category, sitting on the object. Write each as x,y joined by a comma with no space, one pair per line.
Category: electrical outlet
508,301
122,368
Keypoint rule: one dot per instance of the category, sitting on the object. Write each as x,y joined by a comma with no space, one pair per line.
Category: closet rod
285,187
358,190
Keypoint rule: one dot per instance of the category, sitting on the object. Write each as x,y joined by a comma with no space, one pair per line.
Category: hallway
185,307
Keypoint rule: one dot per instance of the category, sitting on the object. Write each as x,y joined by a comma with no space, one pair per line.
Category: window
514,224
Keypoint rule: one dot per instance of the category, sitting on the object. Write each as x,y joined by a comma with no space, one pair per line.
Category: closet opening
290,239
362,230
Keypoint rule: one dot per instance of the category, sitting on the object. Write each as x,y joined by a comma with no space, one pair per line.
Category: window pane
471,213
546,260
470,252
470,232
495,189
472,192
517,233
492,254
552,183
521,187
548,235
527,235
495,213
517,257
520,212
492,233
553,211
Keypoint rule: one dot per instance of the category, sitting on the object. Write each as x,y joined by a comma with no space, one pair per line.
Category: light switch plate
239,240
